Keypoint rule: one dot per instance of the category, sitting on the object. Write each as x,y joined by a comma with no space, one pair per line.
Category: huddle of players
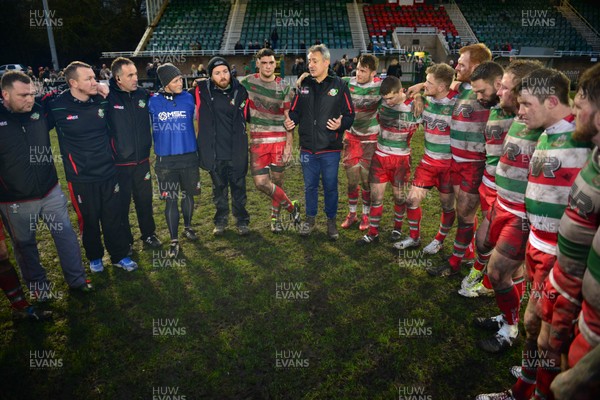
506,139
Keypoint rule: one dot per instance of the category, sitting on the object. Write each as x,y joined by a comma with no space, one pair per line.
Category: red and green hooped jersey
398,124
267,103
581,219
469,118
555,163
366,100
495,131
589,321
437,119
513,167
593,265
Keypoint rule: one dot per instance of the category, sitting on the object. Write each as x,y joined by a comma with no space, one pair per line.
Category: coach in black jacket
30,195
222,111
80,117
323,110
131,139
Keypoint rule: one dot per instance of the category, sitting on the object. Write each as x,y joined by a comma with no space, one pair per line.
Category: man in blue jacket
172,112
222,104
130,141
323,110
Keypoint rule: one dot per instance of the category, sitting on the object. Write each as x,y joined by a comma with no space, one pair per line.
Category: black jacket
83,138
129,125
207,132
313,105
27,169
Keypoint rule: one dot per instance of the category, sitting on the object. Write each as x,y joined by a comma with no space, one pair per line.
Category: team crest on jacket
560,141
141,103
117,188
241,105
147,177
35,116
332,92
101,113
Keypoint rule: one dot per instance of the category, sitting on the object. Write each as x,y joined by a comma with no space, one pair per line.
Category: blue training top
173,123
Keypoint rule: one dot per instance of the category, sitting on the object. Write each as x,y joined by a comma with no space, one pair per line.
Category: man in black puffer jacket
323,110
131,139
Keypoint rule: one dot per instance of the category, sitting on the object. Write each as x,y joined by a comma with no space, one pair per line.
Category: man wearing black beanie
172,112
222,110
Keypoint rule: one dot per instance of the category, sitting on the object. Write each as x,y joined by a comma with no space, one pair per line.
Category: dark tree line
83,29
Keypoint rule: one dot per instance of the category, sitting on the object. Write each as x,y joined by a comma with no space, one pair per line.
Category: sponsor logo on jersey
163,116
72,117
118,107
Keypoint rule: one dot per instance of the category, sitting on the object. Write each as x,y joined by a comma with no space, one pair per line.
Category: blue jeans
322,166
23,219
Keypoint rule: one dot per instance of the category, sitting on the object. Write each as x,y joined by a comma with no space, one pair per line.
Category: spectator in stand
341,69
302,45
239,46
395,69
233,71
299,67
274,38
105,73
202,73
419,70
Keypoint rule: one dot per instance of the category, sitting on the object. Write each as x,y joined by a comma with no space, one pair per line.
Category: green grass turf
236,336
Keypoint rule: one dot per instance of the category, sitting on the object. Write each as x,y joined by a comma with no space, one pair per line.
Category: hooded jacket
129,125
207,131
316,103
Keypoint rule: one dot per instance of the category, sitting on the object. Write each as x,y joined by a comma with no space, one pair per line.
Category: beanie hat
215,62
167,72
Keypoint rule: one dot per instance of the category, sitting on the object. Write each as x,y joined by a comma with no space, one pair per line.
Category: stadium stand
187,22
591,12
536,24
296,21
382,19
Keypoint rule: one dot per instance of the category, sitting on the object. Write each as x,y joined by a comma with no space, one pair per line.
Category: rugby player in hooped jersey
556,161
270,143
503,243
360,140
391,162
486,81
467,142
434,168
576,274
